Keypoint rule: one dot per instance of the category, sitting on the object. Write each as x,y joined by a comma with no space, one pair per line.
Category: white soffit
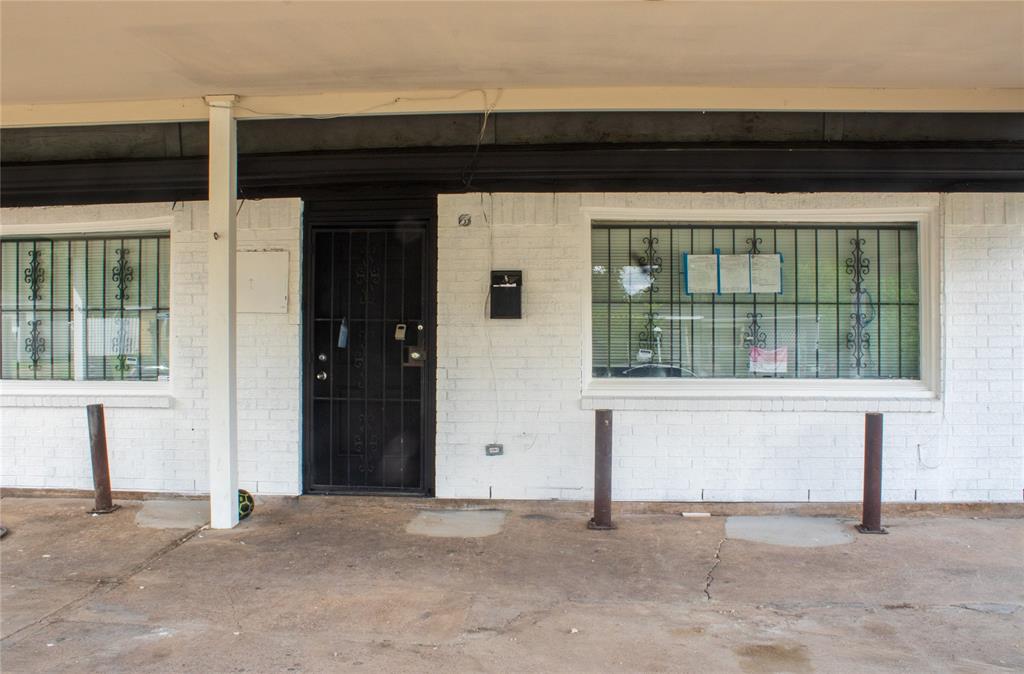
92,62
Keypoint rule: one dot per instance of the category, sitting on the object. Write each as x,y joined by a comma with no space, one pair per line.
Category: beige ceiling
103,62
106,51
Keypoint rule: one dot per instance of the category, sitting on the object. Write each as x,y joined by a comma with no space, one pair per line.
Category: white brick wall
518,382
967,447
159,443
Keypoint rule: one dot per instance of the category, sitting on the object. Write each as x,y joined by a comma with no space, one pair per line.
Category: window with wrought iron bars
847,306
95,308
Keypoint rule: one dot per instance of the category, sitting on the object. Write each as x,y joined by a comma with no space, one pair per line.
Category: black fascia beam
732,168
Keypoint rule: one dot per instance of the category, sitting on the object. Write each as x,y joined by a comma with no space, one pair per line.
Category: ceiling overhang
522,100
96,62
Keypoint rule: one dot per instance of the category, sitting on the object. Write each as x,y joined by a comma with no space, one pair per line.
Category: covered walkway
322,584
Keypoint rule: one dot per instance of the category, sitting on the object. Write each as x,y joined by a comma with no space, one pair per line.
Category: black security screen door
369,346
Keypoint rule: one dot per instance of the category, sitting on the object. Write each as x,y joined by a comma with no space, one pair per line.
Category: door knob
322,376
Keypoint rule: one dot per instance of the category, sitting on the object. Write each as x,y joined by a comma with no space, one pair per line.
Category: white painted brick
45,445
727,449
517,382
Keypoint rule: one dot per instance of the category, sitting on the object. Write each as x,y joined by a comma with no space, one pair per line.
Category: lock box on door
507,294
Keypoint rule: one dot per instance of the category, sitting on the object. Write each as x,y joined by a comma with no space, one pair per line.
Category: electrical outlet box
261,282
494,450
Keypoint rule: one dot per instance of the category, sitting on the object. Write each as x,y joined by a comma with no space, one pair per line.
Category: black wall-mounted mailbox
507,294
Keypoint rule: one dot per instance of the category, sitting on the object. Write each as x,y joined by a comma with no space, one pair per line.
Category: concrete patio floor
338,584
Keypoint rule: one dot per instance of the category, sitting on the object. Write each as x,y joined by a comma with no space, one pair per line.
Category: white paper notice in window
735,271
701,273
635,280
766,273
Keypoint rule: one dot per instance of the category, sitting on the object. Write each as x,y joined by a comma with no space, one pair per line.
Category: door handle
322,376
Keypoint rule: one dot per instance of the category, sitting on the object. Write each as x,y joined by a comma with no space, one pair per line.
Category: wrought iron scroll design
858,339
122,274
754,334
842,296
62,308
647,334
370,451
357,437
35,274
358,360
651,261
120,344
35,343
367,276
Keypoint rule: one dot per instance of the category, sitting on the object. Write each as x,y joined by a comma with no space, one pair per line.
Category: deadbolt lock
414,356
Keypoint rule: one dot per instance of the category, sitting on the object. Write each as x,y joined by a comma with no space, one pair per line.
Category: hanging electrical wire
397,100
468,171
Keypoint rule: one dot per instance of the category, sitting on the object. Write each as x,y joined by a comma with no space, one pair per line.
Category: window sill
79,394
765,394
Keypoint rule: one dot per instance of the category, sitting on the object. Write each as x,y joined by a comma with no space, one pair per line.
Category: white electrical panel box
262,282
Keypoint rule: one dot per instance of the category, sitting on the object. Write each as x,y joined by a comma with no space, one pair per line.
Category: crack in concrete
710,578
790,607
104,584
51,614
510,623
990,608
45,579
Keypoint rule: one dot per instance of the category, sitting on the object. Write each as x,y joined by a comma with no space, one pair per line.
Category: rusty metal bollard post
871,520
100,465
602,471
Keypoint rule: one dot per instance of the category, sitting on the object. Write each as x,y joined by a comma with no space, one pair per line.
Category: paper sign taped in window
735,273
766,273
700,273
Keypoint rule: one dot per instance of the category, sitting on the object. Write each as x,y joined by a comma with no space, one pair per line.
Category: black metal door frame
351,209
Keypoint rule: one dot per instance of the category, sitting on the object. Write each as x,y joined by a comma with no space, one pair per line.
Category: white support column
220,315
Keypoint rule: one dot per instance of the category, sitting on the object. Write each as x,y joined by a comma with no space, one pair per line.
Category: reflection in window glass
85,308
844,305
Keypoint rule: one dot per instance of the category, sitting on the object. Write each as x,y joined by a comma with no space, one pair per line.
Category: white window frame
12,388
927,387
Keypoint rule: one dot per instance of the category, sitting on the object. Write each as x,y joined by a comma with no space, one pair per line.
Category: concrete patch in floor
457,523
756,658
788,530
173,514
